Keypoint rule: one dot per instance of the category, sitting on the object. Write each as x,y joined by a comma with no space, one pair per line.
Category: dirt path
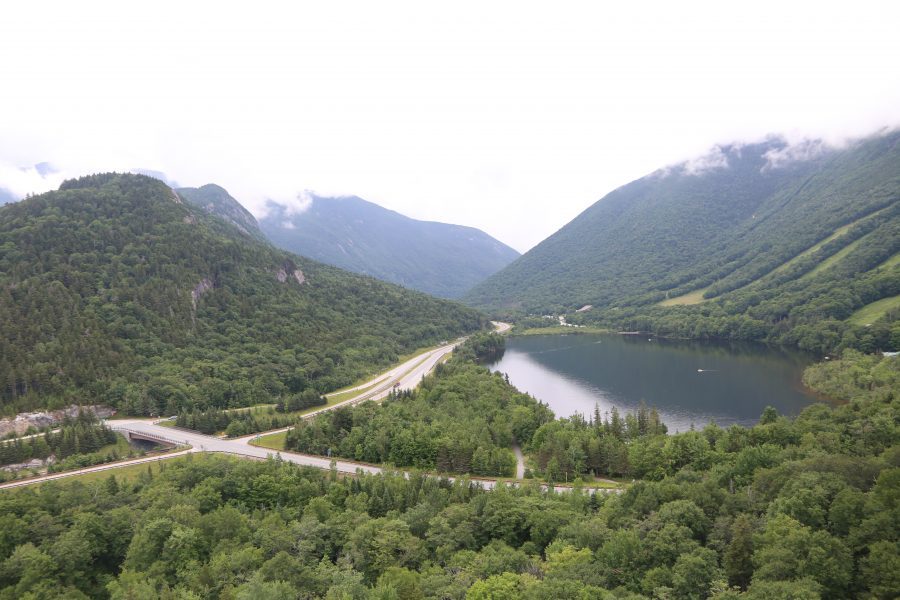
520,461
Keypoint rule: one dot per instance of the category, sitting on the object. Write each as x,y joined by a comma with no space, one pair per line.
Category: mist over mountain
349,232
775,234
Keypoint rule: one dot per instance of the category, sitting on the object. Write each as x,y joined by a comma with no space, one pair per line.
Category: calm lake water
687,382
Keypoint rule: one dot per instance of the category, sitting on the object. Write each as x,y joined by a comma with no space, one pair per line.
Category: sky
512,117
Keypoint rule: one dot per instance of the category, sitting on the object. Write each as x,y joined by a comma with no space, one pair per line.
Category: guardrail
150,436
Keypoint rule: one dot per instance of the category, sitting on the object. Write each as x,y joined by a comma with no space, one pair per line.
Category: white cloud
21,181
712,160
482,114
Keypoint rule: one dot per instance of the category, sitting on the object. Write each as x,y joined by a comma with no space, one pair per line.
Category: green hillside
217,201
351,233
743,244
113,290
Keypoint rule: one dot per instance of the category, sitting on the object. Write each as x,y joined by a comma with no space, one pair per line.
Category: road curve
407,375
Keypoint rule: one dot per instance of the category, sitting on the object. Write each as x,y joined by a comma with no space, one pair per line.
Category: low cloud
716,158
287,207
802,150
36,179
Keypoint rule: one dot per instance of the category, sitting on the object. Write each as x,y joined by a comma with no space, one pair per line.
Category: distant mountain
6,196
155,175
113,290
351,233
765,237
216,201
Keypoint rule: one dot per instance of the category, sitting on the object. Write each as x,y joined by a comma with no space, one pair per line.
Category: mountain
216,201
351,233
6,196
114,290
765,237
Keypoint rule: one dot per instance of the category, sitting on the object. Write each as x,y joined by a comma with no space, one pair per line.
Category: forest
745,251
460,419
683,229
795,509
82,435
114,291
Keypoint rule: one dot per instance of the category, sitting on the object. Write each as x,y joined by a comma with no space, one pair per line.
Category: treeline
301,401
568,448
486,346
804,509
82,435
803,308
113,292
461,419
234,423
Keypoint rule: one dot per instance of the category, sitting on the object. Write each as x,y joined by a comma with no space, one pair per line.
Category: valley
601,463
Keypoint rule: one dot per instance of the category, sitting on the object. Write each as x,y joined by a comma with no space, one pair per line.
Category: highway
407,375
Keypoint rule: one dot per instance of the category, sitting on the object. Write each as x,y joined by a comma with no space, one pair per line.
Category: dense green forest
113,290
801,509
437,258
82,435
744,247
235,423
460,419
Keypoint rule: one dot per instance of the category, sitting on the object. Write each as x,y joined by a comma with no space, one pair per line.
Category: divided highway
407,375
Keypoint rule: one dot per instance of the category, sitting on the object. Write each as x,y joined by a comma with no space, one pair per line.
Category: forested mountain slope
351,233
754,235
217,201
113,290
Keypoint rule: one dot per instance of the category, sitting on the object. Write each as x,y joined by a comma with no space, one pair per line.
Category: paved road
106,467
408,375
206,443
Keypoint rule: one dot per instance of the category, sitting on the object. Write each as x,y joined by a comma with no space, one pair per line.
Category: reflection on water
687,382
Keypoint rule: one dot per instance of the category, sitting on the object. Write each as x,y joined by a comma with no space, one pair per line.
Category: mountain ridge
352,233
749,244
113,290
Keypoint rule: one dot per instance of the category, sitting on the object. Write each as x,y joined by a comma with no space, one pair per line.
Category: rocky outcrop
22,422
289,269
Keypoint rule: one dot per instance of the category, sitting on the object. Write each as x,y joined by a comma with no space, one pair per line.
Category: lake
687,382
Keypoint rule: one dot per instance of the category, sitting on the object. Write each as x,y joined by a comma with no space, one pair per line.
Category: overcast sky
511,117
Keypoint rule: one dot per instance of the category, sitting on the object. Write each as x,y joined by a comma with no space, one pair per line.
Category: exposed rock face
201,288
287,268
23,421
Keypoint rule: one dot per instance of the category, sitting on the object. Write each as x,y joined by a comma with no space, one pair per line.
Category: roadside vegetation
804,508
78,443
461,419
113,292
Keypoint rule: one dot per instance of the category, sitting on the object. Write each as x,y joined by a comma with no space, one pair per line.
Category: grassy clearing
837,233
686,299
121,447
273,441
872,312
341,396
890,263
835,258
128,473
